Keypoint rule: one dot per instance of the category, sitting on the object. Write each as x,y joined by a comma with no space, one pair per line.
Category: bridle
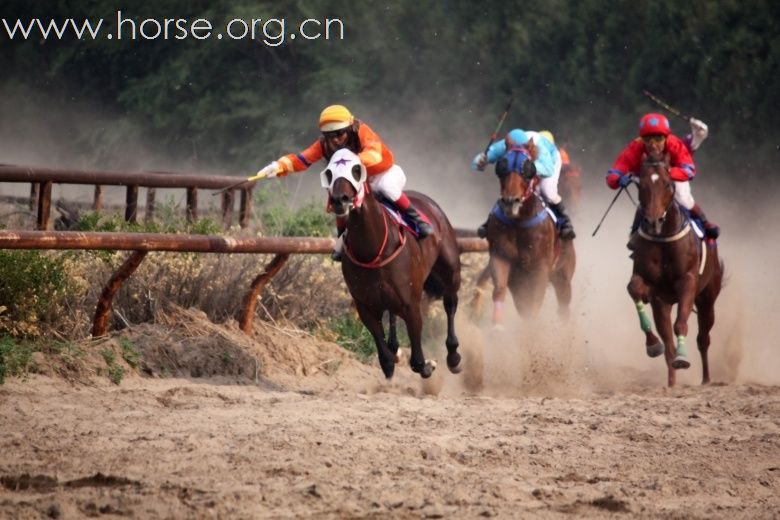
655,236
377,261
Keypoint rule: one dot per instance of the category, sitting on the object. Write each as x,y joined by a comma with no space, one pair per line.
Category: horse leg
499,272
447,270
561,278
686,291
392,337
373,323
662,314
419,364
638,291
476,300
705,306
528,293
453,357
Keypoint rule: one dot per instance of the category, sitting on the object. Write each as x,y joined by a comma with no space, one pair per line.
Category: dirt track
184,448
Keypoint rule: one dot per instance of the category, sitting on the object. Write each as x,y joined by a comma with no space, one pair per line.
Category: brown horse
570,186
526,251
672,265
386,270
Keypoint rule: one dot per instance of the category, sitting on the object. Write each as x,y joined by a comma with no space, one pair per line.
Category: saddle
402,219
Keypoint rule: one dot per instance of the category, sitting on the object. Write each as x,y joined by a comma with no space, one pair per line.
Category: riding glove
270,171
624,180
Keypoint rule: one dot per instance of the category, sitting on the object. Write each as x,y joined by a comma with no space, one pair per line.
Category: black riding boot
711,230
423,227
482,230
567,230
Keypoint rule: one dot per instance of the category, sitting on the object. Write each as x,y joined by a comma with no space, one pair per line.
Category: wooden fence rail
42,179
142,243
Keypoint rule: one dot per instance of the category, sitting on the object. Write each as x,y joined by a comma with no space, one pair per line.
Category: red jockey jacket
630,160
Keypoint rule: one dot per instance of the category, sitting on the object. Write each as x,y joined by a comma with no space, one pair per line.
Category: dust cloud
601,346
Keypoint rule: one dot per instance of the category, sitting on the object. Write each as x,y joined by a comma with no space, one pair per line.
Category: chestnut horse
526,251
672,265
387,269
570,186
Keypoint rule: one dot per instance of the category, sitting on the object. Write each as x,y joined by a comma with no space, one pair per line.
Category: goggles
650,139
334,133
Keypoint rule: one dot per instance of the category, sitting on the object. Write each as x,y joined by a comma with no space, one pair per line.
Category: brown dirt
285,425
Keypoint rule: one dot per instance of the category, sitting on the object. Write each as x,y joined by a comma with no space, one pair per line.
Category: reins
377,262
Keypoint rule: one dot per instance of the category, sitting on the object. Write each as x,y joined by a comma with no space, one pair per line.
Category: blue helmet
516,137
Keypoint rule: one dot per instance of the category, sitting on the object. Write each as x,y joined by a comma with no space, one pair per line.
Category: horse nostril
344,199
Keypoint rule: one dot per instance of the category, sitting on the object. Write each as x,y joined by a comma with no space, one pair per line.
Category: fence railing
42,179
142,243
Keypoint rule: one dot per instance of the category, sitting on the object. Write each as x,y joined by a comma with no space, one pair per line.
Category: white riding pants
548,187
389,183
682,194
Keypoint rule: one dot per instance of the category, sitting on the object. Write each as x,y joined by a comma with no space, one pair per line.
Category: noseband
684,225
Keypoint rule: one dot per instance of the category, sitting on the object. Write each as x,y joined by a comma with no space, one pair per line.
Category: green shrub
351,334
129,352
15,357
278,219
31,285
115,372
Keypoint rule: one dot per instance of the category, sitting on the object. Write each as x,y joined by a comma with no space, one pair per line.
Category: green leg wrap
644,320
681,346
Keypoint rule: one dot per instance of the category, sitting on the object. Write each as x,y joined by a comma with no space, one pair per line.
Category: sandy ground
549,419
162,448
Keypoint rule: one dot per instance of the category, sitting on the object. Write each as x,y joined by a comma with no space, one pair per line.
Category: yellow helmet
335,117
547,135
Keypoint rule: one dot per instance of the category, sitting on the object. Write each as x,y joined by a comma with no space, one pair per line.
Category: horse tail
434,286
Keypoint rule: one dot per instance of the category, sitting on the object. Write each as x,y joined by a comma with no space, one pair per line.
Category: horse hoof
680,362
388,371
655,350
428,368
453,363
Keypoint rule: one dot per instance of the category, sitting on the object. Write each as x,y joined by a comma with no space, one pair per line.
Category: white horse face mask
344,164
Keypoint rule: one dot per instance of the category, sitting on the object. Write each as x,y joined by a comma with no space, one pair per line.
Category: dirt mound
185,343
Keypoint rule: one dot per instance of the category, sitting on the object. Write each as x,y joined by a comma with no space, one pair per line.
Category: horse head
517,174
656,193
345,179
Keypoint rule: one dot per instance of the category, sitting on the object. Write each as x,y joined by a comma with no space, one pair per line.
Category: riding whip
666,106
500,122
609,208
236,185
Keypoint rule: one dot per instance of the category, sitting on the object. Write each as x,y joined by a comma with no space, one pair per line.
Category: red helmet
654,124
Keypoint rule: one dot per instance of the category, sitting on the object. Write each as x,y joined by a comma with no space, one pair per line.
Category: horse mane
533,150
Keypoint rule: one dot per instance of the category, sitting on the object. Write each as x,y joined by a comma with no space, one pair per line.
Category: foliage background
445,69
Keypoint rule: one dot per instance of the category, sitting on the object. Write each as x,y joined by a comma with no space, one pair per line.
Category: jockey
699,132
548,167
655,138
340,129
565,161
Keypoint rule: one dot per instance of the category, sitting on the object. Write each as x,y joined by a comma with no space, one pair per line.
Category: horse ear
529,169
502,168
326,178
